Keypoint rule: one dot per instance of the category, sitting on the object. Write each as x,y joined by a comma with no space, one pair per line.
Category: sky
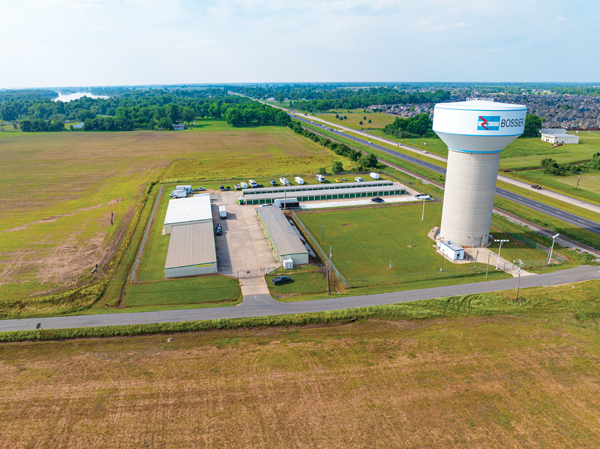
53,43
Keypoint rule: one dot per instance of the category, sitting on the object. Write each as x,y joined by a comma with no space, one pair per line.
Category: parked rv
244,185
374,175
299,180
320,178
178,194
358,179
284,181
252,183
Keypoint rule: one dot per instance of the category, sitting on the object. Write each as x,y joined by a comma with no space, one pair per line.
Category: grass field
306,280
523,376
378,120
362,240
60,189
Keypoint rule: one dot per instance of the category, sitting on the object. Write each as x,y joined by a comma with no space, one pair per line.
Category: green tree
533,126
369,120
165,123
322,171
188,114
337,167
360,123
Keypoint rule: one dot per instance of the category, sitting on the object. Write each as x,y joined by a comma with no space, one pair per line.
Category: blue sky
116,42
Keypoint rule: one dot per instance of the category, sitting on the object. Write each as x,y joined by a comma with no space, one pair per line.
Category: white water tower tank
476,132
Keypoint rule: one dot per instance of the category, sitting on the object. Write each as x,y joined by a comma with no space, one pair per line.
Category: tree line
418,126
147,109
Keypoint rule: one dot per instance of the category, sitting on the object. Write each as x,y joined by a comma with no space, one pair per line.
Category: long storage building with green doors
330,194
285,242
294,190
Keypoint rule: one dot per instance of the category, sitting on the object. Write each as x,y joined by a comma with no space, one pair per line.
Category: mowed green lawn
378,119
196,290
362,240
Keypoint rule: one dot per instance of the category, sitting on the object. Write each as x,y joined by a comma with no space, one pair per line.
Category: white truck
299,180
284,181
222,212
320,178
243,185
252,183
358,179
374,175
180,193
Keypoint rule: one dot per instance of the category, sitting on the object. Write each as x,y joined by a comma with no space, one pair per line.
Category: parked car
259,184
273,182
281,280
536,187
337,180
423,197
221,187
228,188
218,229
344,179
241,201
199,189
237,187
377,200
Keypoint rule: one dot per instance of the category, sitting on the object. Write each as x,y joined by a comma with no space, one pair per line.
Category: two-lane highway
567,217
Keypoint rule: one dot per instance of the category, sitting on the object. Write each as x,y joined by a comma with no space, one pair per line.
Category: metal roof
283,237
310,187
191,244
185,210
382,188
453,246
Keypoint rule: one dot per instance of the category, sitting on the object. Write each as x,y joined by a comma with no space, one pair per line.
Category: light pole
519,273
516,251
552,248
442,252
499,250
322,233
578,179
423,214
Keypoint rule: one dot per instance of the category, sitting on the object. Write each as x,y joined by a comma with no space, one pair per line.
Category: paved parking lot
243,246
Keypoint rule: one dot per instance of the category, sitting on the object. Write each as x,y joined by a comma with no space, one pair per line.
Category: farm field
60,189
362,240
513,378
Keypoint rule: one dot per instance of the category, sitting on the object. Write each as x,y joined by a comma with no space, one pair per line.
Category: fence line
435,197
526,240
317,247
143,245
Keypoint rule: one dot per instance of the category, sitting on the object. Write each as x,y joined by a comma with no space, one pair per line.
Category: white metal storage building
285,242
188,210
451,249
191,250
558,135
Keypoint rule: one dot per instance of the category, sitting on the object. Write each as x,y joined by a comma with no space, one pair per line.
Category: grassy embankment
478,371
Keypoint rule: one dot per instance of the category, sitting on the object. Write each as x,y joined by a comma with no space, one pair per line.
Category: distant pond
76,96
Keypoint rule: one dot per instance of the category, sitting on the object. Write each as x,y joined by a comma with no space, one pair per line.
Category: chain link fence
496,223
318,248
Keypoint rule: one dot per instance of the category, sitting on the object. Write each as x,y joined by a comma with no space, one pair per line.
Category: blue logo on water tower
488,123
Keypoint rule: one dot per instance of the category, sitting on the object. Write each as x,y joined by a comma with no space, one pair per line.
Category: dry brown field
488,382
60,189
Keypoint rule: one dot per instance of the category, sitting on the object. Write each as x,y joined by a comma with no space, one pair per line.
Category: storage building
558,136
191,250
293,190
285,242
329,194
188,210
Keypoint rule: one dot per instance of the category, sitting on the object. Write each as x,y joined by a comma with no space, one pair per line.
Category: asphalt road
264,305
567,217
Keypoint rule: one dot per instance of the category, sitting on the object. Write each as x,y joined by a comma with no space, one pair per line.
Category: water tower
475,132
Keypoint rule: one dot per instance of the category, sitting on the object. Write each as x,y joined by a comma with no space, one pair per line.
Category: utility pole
327,276
516,252
476,255
329,273
423,214
578,179
499,250
519,280
322,233
487,267
552,248
390,261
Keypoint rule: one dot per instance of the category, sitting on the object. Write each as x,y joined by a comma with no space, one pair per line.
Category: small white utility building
558,135
196,209
451,249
